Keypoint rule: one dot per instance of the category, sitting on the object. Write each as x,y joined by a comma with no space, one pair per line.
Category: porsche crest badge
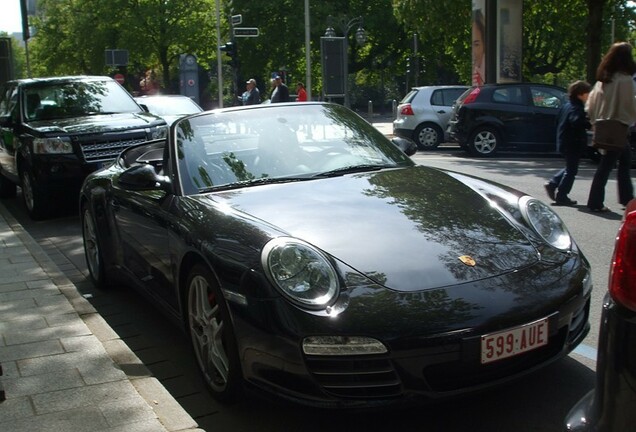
469,261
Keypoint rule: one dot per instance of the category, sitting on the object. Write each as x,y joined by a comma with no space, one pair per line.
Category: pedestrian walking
301,93
281,91
571,139
253,95
613,97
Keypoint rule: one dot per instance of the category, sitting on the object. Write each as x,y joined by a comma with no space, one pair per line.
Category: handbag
609,135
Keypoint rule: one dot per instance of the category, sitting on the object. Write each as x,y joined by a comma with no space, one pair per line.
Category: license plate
514,341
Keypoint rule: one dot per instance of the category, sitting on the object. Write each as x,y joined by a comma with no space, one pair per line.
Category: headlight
545,222
57,145
301,272
159,132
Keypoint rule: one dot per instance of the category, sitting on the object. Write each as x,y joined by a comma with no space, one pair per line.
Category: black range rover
55,131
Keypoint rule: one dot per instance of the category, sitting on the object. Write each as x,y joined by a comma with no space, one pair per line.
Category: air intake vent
358,378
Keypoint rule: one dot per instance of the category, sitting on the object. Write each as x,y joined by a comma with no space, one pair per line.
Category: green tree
561,40
72,35
159,31
18,56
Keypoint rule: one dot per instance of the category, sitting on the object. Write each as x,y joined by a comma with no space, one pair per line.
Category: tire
212,336
428,136
35,200
93,250
484,142
7,188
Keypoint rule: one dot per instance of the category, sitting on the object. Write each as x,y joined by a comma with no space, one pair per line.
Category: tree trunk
594,33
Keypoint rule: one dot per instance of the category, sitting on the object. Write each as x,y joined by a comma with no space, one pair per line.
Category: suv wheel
7,188
484,142
428,136
34,199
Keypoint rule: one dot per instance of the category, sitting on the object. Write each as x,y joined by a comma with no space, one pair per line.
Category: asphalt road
535,403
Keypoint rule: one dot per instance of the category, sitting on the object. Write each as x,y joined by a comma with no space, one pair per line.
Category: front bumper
59,173
418,367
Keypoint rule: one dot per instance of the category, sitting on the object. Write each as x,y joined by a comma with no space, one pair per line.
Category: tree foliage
562,40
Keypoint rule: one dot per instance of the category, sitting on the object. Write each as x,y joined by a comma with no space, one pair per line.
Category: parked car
423,114
305,254
55,131
610,406
168,107
494,117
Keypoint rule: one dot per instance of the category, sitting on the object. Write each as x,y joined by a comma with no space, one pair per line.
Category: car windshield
278,143
63,99
169,105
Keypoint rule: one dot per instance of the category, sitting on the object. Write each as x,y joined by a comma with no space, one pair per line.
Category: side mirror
406,145
144,107
143,177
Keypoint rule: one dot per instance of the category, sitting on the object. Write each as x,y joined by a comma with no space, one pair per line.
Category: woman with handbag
613,98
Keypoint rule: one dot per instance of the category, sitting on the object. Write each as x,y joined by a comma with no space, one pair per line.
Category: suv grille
106,147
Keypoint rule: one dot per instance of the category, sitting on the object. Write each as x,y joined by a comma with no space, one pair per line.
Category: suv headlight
545,222
159,132
301,272
57,145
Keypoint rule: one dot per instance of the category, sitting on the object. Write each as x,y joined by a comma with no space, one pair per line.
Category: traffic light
230,49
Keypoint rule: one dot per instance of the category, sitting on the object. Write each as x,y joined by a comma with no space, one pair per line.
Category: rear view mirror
406,145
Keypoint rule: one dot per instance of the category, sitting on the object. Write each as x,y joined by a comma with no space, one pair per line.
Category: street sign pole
219,61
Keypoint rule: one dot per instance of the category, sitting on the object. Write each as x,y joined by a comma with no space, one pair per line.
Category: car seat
32,105
279,153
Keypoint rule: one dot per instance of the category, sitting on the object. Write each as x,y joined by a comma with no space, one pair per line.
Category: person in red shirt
301,93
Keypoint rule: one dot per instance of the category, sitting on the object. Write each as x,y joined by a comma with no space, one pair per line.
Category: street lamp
345,25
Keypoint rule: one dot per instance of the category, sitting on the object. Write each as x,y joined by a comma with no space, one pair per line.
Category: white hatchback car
424,113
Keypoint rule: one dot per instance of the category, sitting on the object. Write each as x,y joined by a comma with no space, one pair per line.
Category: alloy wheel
27,190
91,245
206,328
485,142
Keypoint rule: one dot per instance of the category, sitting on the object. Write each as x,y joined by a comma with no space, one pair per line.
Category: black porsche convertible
306,255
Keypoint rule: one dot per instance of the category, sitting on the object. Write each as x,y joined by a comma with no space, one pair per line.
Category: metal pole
26,52
416,60
219,61
345,54
307,52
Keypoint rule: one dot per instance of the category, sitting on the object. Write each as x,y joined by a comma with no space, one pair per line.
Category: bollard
394,107
370,108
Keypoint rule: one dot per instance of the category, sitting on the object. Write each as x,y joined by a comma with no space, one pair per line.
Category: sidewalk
384,123
63,368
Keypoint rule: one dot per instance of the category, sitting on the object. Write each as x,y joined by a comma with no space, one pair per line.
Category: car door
10,115
510,106
142,219
546,103
442,101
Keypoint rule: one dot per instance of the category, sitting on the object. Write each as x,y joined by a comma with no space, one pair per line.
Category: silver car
424,113
168,107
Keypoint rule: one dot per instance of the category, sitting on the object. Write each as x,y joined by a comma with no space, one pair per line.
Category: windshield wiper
352,169
253,182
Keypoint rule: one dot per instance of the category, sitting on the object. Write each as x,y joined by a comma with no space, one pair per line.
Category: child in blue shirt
572,126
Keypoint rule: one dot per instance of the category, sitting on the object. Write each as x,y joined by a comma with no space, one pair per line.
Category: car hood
96,123
407,229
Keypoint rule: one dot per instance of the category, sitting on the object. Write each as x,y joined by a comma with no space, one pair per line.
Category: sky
10,17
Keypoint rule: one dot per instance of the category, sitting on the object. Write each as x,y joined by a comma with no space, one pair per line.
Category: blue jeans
564,179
